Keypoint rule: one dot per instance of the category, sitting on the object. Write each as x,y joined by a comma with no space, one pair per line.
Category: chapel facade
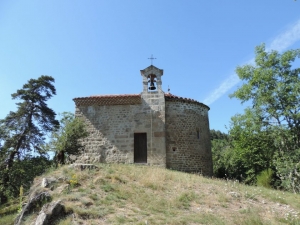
153,128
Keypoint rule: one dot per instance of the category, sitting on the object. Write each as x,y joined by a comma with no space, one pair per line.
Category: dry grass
130,194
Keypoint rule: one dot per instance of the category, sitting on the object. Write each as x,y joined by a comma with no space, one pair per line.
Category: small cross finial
169,89
151,59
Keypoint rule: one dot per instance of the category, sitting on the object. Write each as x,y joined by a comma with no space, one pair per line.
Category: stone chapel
153,128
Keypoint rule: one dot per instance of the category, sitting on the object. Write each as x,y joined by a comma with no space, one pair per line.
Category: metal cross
151,59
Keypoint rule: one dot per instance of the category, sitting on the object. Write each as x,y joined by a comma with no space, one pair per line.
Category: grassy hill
131,194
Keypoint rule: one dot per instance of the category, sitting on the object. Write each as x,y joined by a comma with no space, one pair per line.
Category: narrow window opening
198,134
174,149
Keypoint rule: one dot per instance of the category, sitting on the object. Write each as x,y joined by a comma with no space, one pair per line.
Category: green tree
23,172
273,86
23,131
252,147
272,126
220,149
66,140
216,134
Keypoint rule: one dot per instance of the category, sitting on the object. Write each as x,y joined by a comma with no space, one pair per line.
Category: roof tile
126,99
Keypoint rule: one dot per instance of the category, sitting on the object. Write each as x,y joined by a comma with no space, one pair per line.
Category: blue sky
99,47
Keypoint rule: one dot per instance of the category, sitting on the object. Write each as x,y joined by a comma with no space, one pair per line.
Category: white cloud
227,84
280,43
287,38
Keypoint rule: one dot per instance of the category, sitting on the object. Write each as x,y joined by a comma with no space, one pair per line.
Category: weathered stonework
176,129
188,138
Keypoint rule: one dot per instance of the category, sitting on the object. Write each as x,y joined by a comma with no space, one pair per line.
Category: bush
264,179
288,170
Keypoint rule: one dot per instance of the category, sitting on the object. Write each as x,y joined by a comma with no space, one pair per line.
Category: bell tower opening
151,82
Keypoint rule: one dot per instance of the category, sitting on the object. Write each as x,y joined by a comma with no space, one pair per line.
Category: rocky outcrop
40,198
34,202
50,212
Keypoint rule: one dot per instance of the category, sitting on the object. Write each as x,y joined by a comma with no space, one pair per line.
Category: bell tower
153,108
152,79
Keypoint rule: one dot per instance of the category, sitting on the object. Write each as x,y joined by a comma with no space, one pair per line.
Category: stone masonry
188,137
176,129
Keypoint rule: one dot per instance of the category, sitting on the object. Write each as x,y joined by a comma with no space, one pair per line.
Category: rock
42,218
49,213
46,182
35,201
83,166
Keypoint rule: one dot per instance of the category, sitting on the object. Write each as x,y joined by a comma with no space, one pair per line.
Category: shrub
265,178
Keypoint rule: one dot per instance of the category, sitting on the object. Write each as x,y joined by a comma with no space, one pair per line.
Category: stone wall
111,131
188,137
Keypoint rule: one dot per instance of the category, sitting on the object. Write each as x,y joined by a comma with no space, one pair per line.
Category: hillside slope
131,194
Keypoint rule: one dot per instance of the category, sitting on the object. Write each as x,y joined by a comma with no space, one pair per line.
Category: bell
152,87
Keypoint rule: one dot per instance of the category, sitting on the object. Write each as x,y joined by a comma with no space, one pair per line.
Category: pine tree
23,131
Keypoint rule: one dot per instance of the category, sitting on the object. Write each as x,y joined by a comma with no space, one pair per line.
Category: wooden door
140,148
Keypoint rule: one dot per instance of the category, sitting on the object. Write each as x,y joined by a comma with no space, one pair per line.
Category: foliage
22,133
220,148
22,174
273,86
8,219
288,170
272,125
252,147
21,198
264,179
66,139
216,134
26,128
74,181
245,153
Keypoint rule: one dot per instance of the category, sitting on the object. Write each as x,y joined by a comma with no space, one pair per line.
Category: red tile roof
127,99
171,97
131,99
